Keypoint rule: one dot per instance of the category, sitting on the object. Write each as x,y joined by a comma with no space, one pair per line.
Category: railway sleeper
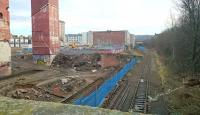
137,107
142,85
139,101
141,90
140,98
141,95
140,107
139,104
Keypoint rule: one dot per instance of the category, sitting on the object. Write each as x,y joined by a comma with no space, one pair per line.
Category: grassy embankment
184,101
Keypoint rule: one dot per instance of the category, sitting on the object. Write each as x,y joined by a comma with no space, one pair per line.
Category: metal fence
97,97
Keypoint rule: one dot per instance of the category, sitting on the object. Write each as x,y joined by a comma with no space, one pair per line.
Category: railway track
140,100
139,103
125,98
120,99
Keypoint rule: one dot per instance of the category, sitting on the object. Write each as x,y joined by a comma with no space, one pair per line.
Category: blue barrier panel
141,48
97,97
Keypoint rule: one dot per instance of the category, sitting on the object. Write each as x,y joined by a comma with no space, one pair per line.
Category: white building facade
132,39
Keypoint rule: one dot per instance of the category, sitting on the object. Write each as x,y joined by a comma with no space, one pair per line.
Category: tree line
180,45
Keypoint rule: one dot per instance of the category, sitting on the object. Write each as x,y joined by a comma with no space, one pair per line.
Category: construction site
111,71
72,77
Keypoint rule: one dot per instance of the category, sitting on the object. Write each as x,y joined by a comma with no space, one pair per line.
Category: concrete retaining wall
5,59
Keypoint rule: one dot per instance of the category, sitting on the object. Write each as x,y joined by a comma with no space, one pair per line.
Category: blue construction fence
141,48
96,98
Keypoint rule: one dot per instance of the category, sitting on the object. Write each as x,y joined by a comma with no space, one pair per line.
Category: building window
1,15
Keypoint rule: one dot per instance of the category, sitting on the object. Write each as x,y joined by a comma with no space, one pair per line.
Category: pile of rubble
52,91
78,62
30,93
65,87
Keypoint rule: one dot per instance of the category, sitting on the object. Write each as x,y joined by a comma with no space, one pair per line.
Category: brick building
111,38
45,30
4,21
5,50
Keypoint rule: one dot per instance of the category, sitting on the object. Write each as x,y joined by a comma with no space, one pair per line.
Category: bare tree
191,20
180,44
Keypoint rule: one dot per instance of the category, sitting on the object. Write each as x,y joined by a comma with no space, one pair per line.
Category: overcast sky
137,16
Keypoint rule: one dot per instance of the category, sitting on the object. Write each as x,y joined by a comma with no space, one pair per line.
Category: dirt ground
158,106
62,80
73,76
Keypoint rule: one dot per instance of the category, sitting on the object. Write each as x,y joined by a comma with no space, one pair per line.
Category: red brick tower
5,50
45,30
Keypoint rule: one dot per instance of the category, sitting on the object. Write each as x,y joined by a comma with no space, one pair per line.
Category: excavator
73,45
